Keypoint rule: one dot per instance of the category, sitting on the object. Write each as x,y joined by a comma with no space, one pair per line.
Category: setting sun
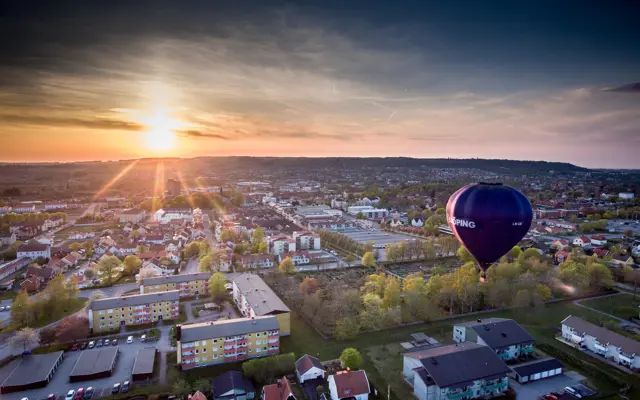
160,134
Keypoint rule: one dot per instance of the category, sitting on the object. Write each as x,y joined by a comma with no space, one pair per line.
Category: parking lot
60,385
533,390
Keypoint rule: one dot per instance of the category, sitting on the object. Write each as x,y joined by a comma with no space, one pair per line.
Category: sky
543,80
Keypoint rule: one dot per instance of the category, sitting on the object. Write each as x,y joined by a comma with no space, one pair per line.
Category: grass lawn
622,306
74,306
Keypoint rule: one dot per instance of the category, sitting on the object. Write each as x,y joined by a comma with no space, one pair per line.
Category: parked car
83,346
125,387
130,340
74,347
7,308
1,308
51,397
70,394
79,394
114,342
573,392
99,343
116,388
92,344
143,338
88,393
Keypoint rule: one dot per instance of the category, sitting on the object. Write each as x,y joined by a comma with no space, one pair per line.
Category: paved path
579,303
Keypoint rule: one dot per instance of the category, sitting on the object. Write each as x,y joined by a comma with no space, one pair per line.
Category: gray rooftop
603,335
30,369
135,300
224,328
95,361
261,298
145,358
162,280
458,365
499,333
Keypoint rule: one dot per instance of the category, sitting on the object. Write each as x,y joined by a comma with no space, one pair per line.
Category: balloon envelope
489,219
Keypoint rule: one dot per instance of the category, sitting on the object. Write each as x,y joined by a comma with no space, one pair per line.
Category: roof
198,396
230,380
145,358
44,272
31,369
161,280
599,237
603,335
260,297
537,366
277,391
585,239
132,211
95,361
351,383
229,327
306,362
499,333
562,253
135,300
33,246
443,363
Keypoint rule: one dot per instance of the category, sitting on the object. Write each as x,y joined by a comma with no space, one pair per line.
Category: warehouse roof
95,362
135,300
537,366
224,328
30,369
145,358
260,297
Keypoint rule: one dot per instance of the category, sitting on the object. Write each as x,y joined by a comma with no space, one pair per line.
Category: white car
130,340
143,338
70,394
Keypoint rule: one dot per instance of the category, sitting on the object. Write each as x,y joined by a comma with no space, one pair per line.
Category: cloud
200,134
97,123
630,88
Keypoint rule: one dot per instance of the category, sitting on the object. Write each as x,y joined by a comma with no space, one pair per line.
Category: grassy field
74,306
622,306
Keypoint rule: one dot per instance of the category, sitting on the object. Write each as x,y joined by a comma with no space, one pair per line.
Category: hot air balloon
489,219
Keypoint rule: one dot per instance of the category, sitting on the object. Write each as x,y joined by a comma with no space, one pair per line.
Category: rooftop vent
503,334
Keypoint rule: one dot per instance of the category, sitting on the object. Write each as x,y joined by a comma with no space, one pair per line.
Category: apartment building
33,250
601,341
457,371
255,298
132,216
111,313
307,240
504,336
189,285
223,341
281,244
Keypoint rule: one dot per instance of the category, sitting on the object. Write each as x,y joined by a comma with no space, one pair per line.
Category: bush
263,370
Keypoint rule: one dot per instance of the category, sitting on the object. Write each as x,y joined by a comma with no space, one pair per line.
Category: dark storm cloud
630,88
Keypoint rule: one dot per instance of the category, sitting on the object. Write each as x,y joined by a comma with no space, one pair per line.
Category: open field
622,306
424,266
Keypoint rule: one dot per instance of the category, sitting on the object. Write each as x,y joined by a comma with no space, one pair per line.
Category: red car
79,394
74,347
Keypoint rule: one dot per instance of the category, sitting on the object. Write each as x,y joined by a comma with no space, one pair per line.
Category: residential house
582,241
456,371
189,285
602,341
281,390
150,255
31,284
33,250
417,222
309,368
281,244
155,238
81,235
11,267
124,249
43,274
132,216
255,298
601,253
52,222
109,314
560,244
56,206
7,238
394,222
232,385
26,229
598,240
561,256
24,208
71,260
256,261
166,215
197,396
173,246
224,341
504,336
307,240
173,257
621,260
298,257
156,268
351,385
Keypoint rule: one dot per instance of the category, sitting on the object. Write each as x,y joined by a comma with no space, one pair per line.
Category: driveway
60,385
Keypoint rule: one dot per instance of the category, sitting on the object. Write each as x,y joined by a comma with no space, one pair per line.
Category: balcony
273,341
188,346
495,386
274,335
188,355
454,396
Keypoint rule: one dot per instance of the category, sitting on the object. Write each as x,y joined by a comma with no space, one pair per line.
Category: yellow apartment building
217,342
189,285
255,298
111,313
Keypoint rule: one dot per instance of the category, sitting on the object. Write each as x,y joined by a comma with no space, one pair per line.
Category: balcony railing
495,386
460,395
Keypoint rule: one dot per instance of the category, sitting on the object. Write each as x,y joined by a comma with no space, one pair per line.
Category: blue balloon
489,219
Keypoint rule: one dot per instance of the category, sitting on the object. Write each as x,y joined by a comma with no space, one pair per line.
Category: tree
532,253
181,388
515,252
237,199
12,250
132,264
360,215
464,255
73,328
217,284
192,250
22,309
392,293
107,267
544,292
523,298
75,246
368,260
257,236
351,358
440,211
368,247
89,273
600,276
25,339
205,263
47,335
346,328
202,385
308,286
350,259
287,266
372,314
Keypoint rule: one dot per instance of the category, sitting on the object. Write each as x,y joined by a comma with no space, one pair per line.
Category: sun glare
160,135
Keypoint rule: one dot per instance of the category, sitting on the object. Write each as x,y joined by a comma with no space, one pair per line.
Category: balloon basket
483,277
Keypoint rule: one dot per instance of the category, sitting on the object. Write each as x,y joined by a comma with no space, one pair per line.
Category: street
113,291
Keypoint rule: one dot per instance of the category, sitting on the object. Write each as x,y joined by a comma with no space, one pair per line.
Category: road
113,291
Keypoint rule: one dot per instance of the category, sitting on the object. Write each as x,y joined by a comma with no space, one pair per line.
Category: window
101,312
258,342
258,350
110,311
204,350
197,351
215,356
215,340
